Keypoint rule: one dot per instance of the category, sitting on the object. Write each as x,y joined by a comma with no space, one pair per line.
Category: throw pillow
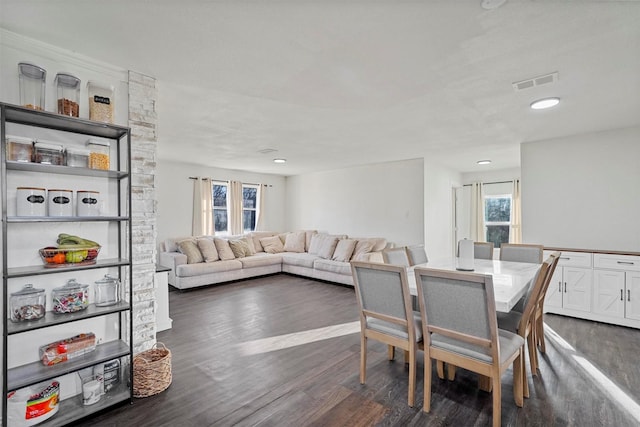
190,249
295,242
240,247
272,245
329,244
315,243
363,247
224,250
252,248
344,250
208,249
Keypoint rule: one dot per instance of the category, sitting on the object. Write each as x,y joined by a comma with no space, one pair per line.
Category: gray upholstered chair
521,253
483,250
417,254
460,329
386,315
396,256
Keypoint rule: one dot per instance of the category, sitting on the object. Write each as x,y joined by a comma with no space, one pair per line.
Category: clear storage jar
19,149
101,102
32,85
48,153
107,291
68,89
99,154
77,157
27,304
71,297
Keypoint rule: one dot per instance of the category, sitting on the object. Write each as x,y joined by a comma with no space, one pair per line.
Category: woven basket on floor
151,371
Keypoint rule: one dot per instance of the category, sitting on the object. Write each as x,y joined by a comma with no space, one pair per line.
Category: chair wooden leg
391,352
363,358
519,379
451,372
497,401
412,377
407,358
440,369
540,334
533,357
426,405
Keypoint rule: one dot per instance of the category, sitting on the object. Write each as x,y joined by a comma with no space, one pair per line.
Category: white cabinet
571,284
617,286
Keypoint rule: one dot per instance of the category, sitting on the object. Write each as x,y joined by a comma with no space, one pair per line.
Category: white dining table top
510,279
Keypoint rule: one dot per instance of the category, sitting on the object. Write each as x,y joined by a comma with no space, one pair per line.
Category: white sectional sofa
206,260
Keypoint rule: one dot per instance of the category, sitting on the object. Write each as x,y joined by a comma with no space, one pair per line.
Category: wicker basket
151,371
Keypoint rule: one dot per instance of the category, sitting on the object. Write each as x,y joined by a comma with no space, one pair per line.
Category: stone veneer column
142,121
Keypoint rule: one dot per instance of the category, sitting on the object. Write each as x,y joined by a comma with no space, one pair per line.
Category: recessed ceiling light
541,104
279,160
484,162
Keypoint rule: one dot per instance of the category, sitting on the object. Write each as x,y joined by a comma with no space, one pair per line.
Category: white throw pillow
190,249
363,247
294,242
208,249
224,250
329,244
315,243
344,250
272,245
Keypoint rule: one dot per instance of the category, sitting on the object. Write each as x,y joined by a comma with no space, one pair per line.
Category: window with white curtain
249,207
497,218
220,213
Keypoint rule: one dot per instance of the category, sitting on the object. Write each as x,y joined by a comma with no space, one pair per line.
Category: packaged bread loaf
61,351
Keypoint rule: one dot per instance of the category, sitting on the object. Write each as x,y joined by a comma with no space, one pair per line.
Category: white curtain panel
260,211
202,221
477,212
515,231
235,207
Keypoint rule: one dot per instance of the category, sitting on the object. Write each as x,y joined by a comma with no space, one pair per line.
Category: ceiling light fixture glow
279,160
484,162
541,104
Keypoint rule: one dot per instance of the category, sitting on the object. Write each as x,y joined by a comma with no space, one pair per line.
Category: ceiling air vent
267,150
536,81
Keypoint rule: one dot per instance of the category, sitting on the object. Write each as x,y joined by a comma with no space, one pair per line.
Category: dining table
510,279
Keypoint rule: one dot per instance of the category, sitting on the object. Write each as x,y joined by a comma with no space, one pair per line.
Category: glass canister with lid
49,153
77,157
32,85
98,154
71,297
68,89
27,304
107,291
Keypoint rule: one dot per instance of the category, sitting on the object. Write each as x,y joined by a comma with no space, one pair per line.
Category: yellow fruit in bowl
76,256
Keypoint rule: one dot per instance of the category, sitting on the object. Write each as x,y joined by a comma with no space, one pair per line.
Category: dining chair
460,328
396,256
522,323
483,250
539,313
384,300
417,254
521,252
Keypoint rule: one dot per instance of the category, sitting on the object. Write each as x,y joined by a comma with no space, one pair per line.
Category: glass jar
68,89
98,154
32,85
48,153
71,297
19,149
28,303
77,157
101,102
107,291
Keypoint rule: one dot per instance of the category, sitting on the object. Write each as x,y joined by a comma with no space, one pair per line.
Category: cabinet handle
628,294
560,286
564,257
626,262
621,295
565,287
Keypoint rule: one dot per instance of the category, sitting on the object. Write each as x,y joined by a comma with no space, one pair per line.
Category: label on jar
35,199
61,200
101,99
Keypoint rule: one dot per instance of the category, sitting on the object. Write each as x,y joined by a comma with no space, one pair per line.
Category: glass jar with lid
19,149
32,80
48,153
77,157
101,102
68,89
71,297
107,291
27,304
98,154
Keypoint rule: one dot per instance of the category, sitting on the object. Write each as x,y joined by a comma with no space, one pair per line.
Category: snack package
67,349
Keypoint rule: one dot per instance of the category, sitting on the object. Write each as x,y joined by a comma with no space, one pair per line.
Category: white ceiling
336,83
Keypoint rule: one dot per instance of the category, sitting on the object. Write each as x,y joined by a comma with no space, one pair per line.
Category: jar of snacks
31,201
71,297
101,102
28,303
77,157
98,154
68,89
107,291
32,85
19,149
60,202
48,153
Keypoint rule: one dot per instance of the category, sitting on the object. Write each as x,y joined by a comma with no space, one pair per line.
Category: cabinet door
576,288
608,292
554,292
632,297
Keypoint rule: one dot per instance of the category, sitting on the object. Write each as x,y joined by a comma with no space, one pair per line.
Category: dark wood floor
216,383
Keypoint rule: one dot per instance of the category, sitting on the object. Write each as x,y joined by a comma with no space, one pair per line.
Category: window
497,218
220,223
249,207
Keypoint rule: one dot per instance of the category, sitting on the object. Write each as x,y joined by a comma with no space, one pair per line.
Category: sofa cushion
332,266
190,270
257,235
328,246
363,247
295,242
344,250
299,259
190,249
308,234
272,245
260,260
240,247
323,243
207,249
224,250
315,244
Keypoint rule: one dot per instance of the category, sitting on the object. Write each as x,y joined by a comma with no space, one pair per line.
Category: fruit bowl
56,257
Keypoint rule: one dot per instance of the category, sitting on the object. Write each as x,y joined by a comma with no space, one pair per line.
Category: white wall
583,191
174,191
439,184
384,199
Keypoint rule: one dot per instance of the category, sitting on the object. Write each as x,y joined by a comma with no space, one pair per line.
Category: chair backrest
459,309
382,291
533,297
553,260
483,250
417,254
521,253
396,256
